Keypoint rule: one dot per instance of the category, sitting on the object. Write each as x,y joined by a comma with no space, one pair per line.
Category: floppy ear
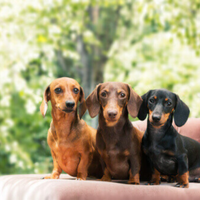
46,98
143,108
82,106
134,102
92,102
181,112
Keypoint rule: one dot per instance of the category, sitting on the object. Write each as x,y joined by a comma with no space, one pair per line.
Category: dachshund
118,142
169,152
71,140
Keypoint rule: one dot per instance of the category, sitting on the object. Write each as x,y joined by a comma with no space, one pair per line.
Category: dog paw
154,183
47,177
133,182
104,178
80,179
51,177
181,185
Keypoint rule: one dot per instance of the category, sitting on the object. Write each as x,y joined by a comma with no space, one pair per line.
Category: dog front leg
56,169
134,172
155,179
183,173
106,175
82,171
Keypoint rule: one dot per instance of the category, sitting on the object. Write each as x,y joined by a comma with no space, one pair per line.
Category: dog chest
67,158
115,153
116,162
164,161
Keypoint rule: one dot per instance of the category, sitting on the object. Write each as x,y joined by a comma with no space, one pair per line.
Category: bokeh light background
148,44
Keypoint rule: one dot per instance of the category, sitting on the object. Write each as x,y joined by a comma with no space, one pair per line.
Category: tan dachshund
71,140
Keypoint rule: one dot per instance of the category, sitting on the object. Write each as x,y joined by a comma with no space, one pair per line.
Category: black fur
169,152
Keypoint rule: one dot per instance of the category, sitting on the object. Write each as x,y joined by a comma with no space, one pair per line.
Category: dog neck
64,122
157,133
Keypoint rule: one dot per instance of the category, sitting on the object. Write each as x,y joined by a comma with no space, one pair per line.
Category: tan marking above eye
155,97
119,91
166,99
126,153
57,86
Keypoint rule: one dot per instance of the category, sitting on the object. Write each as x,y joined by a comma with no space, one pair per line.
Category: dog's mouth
112,120
157,124
66,110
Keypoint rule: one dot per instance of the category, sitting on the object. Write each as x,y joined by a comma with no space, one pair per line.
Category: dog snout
112,114
70,104
156,117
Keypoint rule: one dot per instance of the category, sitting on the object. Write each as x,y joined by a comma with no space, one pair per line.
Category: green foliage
148,44
157,51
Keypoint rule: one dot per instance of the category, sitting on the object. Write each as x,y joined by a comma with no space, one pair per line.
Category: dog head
113,98
160,104
64,94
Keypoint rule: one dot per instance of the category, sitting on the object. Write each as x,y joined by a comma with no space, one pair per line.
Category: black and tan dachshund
169,152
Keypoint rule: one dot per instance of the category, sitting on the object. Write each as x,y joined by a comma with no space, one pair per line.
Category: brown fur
71,140
155,180
118,142
183,180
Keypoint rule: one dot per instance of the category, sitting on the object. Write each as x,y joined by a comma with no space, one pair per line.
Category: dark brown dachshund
118,142
71,140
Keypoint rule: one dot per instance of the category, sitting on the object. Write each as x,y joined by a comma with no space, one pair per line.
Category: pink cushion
190,129
28,187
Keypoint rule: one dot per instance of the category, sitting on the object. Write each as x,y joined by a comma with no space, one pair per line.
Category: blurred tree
80,34
157,46
42,40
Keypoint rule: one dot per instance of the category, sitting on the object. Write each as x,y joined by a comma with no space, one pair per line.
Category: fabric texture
33,187
190,129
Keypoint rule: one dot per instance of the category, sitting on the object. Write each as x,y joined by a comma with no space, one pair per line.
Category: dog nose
112,113
156,117
70,104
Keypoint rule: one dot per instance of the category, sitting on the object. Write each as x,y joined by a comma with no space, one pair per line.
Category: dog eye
122,95
168,103
76,90
58,90
152,100
103,94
